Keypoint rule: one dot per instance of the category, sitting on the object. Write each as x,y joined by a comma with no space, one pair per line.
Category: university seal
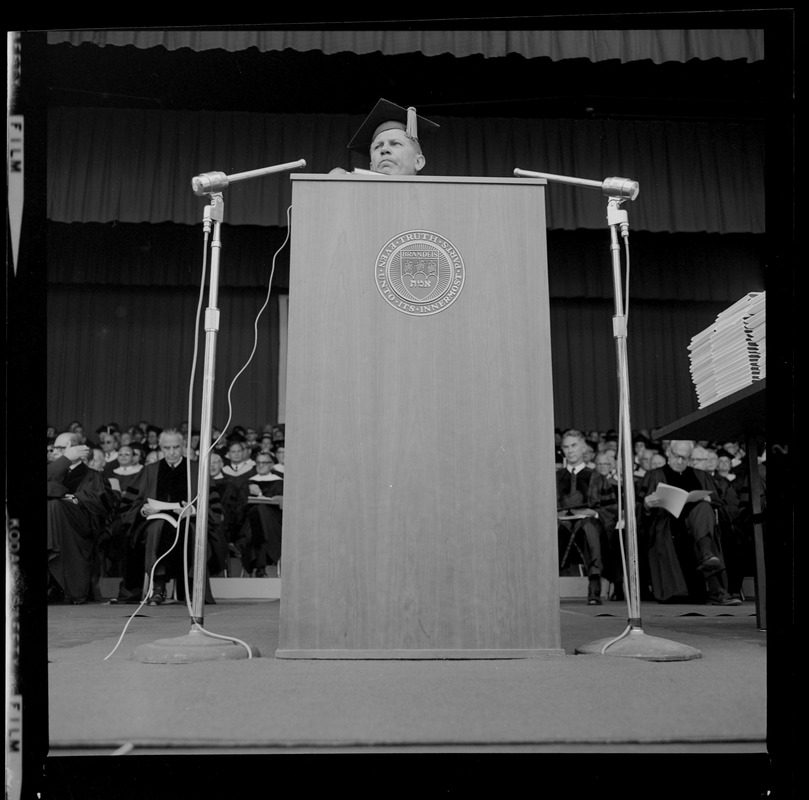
419,273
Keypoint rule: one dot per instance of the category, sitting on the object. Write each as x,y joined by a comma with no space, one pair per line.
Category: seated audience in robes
578,504
239,464
151,442
727,517
80,501
724,465
238,468
77,428
108,442
113,544
252,442
155,546
259,539
738,456
685,552
97,461
606,486
217,535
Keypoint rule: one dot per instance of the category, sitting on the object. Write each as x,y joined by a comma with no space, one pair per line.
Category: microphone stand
198,645
634,643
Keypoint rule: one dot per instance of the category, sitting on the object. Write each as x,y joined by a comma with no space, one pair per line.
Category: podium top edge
416,179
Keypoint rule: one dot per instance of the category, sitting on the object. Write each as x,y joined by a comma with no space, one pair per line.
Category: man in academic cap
390,136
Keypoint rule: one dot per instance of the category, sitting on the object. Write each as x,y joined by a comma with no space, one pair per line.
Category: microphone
209,182
622,188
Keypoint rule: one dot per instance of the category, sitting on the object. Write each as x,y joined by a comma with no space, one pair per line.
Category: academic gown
259,539
138,560
74,527
584,490
671,553
113,542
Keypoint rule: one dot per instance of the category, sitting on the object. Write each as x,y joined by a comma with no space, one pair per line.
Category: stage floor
571,702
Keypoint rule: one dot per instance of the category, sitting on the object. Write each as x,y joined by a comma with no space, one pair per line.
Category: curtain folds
682,268
118,165
596,45
122,356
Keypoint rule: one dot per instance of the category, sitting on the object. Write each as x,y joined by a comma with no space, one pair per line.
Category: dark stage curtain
125,354
597,45
677,267
122,300
123,165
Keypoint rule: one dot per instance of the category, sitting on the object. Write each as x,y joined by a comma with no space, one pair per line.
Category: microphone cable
190,505
620,524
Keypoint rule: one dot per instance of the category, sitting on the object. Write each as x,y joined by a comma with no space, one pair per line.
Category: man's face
604,464
236,453
63,441
97,460
107,443
216,464
710,464
392,153
699,458
263,464
573,449
172,447
125,455
679,455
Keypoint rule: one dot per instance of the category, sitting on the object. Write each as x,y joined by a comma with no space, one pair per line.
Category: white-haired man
150,540
685,552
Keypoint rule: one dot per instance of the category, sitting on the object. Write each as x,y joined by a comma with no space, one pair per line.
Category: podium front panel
419,505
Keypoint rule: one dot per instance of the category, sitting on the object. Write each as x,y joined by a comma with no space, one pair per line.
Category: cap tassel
412,131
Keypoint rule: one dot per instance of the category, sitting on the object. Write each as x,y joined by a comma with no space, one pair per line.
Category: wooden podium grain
419,502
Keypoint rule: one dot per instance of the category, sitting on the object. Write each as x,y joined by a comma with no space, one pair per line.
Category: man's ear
420,162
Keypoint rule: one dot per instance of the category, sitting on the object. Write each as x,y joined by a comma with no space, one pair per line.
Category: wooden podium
419,499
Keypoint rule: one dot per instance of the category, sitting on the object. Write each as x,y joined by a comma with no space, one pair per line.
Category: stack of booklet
731,353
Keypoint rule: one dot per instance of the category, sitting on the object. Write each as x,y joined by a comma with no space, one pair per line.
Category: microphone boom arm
209,182
612,187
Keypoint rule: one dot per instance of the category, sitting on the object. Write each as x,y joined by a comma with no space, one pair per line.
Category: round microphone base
192,648
636,644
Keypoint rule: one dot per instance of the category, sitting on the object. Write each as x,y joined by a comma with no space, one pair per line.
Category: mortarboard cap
387,115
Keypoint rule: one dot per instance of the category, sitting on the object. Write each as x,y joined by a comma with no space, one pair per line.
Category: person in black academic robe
80,502
157,543
579,492
684,553
113,542
259,538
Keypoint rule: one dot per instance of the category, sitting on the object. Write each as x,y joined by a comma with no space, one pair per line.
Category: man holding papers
678,521
159,491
